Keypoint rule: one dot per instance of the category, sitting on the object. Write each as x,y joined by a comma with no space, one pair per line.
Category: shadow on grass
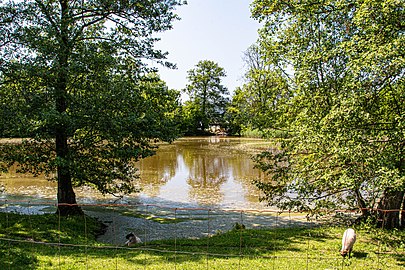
23,238
246,242
81,233
13,257
400,259
359,255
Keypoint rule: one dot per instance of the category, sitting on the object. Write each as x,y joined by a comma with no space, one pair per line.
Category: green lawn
50,242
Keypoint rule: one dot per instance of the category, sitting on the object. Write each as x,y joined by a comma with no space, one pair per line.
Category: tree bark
365,212
389,208
67,204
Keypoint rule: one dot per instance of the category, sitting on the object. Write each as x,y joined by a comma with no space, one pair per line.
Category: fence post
308,246
208,235
85,237
240,238
9,243
30,221
115,239
145,236
379,240
175,238
59,233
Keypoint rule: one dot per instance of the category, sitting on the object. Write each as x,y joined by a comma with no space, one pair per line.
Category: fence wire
173,226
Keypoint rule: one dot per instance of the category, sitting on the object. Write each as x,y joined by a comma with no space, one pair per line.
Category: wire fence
184,238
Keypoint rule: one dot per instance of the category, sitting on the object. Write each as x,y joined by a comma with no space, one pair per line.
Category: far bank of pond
193,172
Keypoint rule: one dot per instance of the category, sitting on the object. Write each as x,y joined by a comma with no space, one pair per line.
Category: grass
284,248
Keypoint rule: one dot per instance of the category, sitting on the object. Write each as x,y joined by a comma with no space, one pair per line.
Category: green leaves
345,104
72,78
207,93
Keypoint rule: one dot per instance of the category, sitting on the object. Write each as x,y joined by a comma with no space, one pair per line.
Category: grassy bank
52,242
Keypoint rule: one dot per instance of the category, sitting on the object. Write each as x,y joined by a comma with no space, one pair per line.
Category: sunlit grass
286,248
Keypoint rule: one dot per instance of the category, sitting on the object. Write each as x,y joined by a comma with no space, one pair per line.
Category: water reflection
210,171
207,174
203,171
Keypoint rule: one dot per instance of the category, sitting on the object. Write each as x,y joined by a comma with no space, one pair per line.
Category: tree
257,104
343,124
77,67
191,118
237,112
207,92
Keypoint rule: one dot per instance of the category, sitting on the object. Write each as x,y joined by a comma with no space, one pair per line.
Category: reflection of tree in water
198,167
202,164
244,173
207,173
157,170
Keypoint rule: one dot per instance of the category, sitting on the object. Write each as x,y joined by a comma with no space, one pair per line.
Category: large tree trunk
390,205
393,202
67,204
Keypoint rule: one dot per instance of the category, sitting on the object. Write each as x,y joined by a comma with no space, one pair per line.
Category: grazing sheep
348,240
238,226
132,239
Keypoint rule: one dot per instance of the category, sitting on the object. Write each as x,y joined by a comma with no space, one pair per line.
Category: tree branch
45,10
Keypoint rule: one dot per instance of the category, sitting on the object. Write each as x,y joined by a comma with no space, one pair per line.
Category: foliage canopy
208,97
73,81
340,126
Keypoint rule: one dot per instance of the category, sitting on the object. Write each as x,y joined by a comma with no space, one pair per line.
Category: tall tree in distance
207,93
258,104
77,67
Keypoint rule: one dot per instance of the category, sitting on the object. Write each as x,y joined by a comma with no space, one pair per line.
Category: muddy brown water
191,172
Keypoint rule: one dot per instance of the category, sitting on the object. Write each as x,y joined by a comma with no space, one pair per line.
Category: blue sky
217,30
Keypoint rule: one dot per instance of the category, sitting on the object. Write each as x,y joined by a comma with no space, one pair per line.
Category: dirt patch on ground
190,224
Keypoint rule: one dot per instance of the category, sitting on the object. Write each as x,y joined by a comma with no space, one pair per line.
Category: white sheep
348,240
132,239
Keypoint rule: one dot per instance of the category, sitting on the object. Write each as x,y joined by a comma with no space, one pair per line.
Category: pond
191,172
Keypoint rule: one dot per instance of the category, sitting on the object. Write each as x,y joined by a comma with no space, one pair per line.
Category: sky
216,30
